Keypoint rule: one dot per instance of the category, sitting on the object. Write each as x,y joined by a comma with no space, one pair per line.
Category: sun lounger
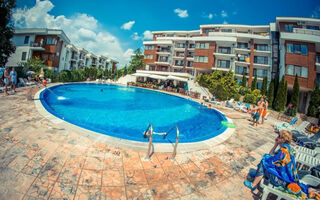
281,125
305,161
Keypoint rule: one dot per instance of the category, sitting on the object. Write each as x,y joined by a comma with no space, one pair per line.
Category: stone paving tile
94,163
112,178
138,192
90,177
163,191
135,177
155,176
88,193
113,193
63,191
40,188
53,162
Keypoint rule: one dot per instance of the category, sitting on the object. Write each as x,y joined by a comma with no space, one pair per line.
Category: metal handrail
150,135
177,140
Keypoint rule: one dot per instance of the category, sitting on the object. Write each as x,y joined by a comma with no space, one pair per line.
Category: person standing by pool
6,76
265,110
13,79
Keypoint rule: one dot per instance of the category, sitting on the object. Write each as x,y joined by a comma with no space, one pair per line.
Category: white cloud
181,13
135,36
83,30
225,22
316,12
128,25
147,35
210,16
224,13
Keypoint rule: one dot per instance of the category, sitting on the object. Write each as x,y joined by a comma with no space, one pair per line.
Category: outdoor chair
280,125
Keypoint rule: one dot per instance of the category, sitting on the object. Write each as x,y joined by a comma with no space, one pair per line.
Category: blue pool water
125,112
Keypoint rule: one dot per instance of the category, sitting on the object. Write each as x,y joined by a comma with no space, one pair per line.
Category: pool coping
129,144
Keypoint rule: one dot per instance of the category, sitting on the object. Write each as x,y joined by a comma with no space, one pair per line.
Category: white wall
15,58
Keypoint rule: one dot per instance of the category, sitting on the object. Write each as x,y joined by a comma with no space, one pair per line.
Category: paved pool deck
44,160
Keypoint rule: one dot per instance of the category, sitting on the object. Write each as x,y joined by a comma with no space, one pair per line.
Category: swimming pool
125,112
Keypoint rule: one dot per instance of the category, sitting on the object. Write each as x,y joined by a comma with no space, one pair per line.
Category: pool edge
129,144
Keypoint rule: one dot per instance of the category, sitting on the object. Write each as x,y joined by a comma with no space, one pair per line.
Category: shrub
249,98
48,73
64,76
254,83
244,90
270,93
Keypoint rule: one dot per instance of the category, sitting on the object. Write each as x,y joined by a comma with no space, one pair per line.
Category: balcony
261,65
191,58
164,52
242,62
74,58
224,55
318,67
242,50
36,46
263,36
304,35
179,49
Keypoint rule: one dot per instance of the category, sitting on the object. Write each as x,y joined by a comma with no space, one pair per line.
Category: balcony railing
36,44
306,31
164,50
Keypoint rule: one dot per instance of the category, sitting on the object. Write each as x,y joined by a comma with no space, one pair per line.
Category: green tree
244,81
270,93
314,104
48,73
279,101
33,64
99,73
285,93
254,83
223,86
136,61
6,30
295,95
125,71
264,86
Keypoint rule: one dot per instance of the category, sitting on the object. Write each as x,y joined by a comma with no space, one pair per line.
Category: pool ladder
149,133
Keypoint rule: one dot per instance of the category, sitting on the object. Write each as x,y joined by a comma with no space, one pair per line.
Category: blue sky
103,19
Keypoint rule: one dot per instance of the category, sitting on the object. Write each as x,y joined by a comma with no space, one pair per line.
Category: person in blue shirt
280,164
13,79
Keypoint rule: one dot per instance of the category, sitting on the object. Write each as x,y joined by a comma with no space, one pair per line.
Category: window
288,27
190,64
297,48
226,30
148,56
225,50
241,70
180,45
51,41
224,64
179,63
297,70
313,27
163,59
261,60
242,58
149,47
191,46
26,39
202,46
318,59
170,35
190,53
203,59
261,47
208,31
290,48
261,73
242,45
24,56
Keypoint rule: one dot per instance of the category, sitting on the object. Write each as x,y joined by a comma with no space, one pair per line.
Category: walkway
40,160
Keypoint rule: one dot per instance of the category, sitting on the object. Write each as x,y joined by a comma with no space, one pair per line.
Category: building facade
286,47
55,49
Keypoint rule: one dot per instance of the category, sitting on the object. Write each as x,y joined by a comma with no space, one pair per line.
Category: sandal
249,185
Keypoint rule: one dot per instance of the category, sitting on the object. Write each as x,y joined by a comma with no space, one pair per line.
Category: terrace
50,160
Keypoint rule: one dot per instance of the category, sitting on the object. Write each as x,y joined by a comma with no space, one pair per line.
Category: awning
141,74
170,77
158,77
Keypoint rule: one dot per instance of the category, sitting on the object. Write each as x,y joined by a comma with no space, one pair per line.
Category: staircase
195,87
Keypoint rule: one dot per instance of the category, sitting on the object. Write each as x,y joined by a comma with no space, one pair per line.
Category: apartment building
299,54
241,48
286,47
55,49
